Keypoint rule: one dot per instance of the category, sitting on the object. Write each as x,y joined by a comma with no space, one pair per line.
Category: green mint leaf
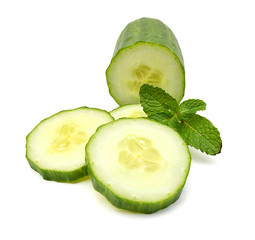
200,133
163,118
189,107
155,100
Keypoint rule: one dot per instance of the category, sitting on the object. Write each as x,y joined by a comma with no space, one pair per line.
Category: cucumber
128,111
138,164
55,147
147,51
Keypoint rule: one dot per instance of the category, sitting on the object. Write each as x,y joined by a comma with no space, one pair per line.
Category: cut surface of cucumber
138,164
55,147
128,111
147,51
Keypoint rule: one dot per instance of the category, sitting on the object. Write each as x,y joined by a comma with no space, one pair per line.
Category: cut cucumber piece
147,51
138,164
128,111
55,147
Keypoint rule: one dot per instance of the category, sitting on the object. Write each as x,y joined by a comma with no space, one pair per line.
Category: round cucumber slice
128,111
147,51
138,164
55,147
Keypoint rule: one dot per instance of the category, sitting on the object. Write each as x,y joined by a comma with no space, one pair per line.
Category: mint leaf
200,133
172,122
189,107
155,100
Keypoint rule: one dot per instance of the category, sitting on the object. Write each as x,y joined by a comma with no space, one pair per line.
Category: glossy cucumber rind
151,32
148,30
58,175
133,206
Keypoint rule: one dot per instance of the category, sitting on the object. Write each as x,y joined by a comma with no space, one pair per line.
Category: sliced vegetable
147,51
55,147
128,111
138,164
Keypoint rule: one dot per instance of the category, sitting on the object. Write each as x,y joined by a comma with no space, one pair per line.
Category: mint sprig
196,130
189,107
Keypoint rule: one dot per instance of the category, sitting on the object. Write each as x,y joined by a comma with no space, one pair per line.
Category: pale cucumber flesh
128,111
144,63
55,147
138,164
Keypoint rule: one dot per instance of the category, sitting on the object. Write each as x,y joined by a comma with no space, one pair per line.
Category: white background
53,56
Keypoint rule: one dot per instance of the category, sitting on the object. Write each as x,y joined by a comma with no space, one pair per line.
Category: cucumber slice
55,147
147,51
128,111
138,164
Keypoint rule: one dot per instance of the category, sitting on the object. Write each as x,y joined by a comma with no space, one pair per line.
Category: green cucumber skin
147,31
126,204
60,176
55,175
